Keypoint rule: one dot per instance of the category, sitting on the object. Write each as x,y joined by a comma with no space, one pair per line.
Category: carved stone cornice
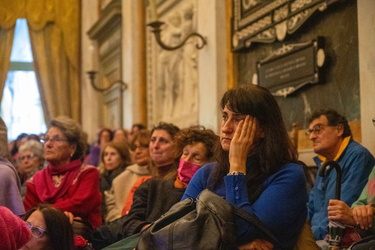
109,19
270,20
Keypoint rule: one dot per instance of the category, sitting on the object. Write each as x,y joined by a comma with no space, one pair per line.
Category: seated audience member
114,159
120,135
30,160
194,146
256,168
21,139
360,214
105,135
165,164
332,140
66,183
163,159
122,184
10,186
33,137
50,229
14,232
135,128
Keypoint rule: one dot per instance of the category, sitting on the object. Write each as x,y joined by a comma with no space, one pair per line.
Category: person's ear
72,150
340,130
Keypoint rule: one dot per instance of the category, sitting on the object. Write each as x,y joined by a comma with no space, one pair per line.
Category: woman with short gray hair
30,160
66,183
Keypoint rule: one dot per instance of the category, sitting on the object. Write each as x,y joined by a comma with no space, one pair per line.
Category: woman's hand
242,143
257,244
364,216
71,217
339,211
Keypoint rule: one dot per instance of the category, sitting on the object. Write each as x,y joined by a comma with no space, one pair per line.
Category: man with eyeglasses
332,140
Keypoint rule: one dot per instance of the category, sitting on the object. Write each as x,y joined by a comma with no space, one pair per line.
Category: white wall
212,68
132,60
91,100
366,44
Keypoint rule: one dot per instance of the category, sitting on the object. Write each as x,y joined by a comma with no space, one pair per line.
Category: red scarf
45,187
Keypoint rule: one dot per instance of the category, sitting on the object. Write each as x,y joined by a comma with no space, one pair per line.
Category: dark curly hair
195,134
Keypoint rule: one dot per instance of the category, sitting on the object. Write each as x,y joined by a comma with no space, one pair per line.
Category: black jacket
152,199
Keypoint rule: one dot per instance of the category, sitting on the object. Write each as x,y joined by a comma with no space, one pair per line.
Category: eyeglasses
317,129
21,158
36,232
54,139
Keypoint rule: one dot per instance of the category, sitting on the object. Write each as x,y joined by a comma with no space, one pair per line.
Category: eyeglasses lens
37,232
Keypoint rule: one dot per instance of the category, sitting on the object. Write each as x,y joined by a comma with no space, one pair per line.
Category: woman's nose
187,158
227,126
156,144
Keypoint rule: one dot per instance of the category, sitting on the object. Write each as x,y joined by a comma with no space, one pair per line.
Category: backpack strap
256,222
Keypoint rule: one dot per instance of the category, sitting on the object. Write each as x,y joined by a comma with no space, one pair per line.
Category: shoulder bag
203,223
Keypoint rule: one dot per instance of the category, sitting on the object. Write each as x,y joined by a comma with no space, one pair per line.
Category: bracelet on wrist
235,173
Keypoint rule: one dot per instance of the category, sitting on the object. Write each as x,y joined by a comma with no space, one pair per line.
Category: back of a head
138,126
4,150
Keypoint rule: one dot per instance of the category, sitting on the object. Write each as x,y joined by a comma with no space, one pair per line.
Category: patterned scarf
54,181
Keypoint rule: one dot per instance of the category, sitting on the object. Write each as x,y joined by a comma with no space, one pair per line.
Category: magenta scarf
44,186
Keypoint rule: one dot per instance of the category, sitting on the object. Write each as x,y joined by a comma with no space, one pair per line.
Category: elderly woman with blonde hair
66,183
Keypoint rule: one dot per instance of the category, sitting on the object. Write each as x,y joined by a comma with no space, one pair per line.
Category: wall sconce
123,86
92,75
156,25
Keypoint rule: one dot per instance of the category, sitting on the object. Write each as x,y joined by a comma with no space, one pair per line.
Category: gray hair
4,150
73,132
34,146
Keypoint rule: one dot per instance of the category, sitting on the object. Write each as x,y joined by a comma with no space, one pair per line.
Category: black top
151,200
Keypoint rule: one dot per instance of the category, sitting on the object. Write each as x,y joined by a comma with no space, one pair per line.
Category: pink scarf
45,186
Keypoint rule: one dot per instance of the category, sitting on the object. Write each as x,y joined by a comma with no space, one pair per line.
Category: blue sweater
356,163
281,206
